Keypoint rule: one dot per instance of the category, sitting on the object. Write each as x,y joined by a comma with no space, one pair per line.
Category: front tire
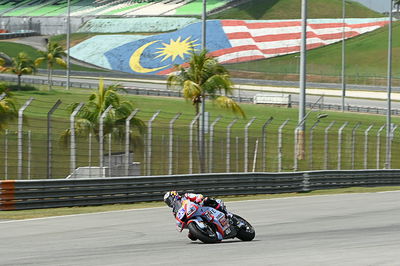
247,232
206,235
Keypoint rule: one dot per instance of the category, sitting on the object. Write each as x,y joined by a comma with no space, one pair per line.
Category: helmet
170,197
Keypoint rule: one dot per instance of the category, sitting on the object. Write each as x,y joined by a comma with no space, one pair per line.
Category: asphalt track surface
348,229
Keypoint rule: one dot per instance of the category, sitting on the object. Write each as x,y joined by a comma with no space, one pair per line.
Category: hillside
366,57
290,9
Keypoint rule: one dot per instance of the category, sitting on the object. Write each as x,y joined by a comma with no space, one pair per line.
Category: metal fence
35,194
33,147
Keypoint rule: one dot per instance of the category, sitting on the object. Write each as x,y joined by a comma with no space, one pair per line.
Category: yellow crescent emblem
134,61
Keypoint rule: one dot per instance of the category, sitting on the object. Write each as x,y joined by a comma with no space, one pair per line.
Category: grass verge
289,9
40,213
366,61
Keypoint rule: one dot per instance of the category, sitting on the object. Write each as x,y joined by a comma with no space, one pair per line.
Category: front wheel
245,232
205,235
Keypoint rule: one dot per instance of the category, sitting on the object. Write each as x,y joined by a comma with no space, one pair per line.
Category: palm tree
88,118
52,56
205,77
8,110
20,65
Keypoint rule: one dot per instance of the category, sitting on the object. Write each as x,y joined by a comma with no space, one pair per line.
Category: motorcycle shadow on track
231,241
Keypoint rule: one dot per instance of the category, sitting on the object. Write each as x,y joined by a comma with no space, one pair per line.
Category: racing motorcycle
210,225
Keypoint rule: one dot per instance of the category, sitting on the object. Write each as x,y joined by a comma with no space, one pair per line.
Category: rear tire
205,236
245,234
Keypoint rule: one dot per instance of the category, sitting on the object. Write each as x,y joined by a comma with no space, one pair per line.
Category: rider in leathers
174,201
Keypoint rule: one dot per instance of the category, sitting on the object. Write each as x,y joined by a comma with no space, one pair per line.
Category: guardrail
10,35
169,93
36,194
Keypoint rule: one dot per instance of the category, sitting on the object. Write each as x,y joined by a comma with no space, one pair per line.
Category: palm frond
229,104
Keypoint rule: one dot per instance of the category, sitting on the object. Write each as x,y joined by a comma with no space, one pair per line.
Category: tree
20,65
8,110
205,77
53,55
88,118
397,4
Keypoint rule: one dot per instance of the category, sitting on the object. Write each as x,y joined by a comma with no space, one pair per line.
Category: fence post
90,154
326,144
353,143
389,161
310,160
211,147
280,145
127,139
149,139
264,143
29,153
72,135
49,139
191,143
109,154
171,142
228,143
255,156
6,154
378,146
101,139
340,145
237,153
246,144
366,146
20,125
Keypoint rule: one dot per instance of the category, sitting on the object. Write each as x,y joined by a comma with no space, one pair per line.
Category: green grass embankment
366,61
12,49
290,9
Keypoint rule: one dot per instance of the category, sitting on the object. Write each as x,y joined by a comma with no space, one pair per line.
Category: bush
14,87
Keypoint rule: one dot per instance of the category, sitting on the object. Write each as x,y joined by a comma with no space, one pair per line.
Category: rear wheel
245,232
205,235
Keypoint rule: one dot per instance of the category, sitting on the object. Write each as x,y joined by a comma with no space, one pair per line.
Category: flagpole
68,41
389,92
203,100
204,29
302,94
343,56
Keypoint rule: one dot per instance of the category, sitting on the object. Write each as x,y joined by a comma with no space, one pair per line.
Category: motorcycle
210,225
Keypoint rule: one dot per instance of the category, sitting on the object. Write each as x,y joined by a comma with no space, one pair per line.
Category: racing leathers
201,200
207,201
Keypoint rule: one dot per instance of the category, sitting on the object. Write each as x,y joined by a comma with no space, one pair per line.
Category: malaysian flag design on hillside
232,41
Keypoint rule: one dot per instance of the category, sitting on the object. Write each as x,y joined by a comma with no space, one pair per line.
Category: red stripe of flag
287,36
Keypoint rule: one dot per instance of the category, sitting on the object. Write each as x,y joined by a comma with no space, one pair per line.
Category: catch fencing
36,194
45,141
